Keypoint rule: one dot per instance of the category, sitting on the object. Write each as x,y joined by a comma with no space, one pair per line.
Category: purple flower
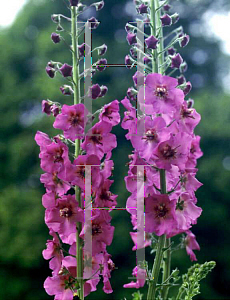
128,61
131,38
185,40
138,78
54,184
101,64
110,113
160,215
72,120
176,61
94,23
171,51
50,72
99,140
46,107
143,9
166,20
55,37
132,94
160,95
141,275
94,91
191,244
66,70
181,79
167,7
151,42
188,88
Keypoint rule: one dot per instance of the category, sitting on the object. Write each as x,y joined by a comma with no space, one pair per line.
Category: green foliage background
25,48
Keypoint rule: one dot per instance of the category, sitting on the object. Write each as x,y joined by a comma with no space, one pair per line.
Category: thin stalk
166,268
77,97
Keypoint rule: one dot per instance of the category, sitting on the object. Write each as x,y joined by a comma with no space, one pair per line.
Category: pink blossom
141,276
129,120
72,120
110,113
160,95
191,244
54,184
160,215
103,197
195,152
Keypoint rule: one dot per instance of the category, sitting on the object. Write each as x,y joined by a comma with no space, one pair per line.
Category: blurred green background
25,48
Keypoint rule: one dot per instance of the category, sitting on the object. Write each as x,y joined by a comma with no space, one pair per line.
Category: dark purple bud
166,7
171,51
101,64
102,49
133,52
175,18
143,9
66,90
138,78
128,61
55,37
151,42
166,20
147,59
83,50
176,61
66,70
181,80
46,107
190,103
188,88
185,40
128,27
51,64
55,110
132,94
104,90
55,18
94,22
74,2
50,72
94,91
183,67
131,38
99,5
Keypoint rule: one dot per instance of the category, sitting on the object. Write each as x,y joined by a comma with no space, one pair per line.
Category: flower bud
132,94
183,67
74,2
55,110
181,79
184,41
55,37
66,70
147,59
83,50
190,103
80,8
131,38
143,9
104,90
94,91
55,18
128,61
101,64
102,49
50,72
188,88
175,18
51,64
99,5
133,52
166,20
176,61
166,7
46,107
171,51
151,42
138,78
66,90
94,22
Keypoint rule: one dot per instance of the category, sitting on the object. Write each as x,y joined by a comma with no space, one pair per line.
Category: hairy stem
77,97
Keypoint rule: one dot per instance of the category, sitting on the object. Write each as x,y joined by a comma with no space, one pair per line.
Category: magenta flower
63,217
129,121
99,140
137,236
191,244
110,113
54,184
195,152
66,70
72,120
173,151
141,275
49,200
160,215
160,95
150,132
104,198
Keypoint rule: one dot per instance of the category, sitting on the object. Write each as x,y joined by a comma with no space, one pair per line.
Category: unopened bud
184,40
94,91
151,42
190,103
176,61
166,7
183,67
83,50
133,52
166,20
66,90
181,79
132,94
171,51
74,2
131,38
94,22
55,18
101,64
143,9
104,90
55,37
66,70
128,61
46,107
55,110
175,18
50,72
102,49
99,5
187,88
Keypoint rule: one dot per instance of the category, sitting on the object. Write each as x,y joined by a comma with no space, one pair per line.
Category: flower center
168,152
66,212
96,229
161,210
161,92
151,135
74,119
96,137
186,112
58,156
81,172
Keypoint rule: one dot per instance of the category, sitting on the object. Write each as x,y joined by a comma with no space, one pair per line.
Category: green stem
166,268
77,97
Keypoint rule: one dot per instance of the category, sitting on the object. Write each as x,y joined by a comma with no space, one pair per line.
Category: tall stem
158,60
77,97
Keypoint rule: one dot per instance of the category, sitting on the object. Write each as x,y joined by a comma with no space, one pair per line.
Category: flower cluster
77,162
